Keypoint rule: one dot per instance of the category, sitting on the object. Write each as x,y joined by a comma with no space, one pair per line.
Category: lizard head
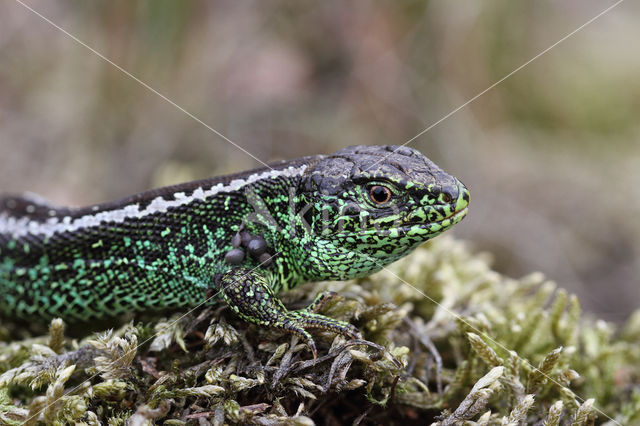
363,207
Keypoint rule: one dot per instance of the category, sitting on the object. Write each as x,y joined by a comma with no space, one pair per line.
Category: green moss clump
448,341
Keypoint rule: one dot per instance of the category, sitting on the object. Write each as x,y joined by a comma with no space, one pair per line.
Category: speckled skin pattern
240,238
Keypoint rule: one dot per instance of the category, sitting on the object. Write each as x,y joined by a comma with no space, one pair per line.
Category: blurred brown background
551,155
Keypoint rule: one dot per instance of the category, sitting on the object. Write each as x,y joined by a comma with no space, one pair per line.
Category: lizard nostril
446,197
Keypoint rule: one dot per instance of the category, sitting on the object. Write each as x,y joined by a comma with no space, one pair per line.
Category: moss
492,350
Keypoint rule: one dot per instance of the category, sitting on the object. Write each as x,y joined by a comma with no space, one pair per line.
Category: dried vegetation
492,351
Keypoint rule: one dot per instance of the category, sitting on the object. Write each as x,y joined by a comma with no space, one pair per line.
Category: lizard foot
249,295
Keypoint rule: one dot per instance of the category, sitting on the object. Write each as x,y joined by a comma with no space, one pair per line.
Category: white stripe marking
20,227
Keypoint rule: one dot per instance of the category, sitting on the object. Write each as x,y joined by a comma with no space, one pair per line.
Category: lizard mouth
424,229
420,217
436,226
455,217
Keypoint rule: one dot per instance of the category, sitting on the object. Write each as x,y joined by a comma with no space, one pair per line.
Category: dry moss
492,350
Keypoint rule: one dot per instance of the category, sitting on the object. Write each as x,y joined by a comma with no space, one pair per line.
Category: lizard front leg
248,293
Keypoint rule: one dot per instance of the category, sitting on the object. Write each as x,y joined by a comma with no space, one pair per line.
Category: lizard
237,239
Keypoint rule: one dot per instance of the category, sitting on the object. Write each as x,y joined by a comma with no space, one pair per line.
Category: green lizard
241,238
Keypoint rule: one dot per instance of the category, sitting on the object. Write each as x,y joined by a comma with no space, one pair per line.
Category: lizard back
153,250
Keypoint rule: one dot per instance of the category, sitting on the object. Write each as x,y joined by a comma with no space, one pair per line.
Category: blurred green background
551,155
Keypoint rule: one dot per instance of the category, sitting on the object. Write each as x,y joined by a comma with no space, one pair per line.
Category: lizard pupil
379,194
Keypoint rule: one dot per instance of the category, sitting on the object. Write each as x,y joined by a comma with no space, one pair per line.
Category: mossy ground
492,350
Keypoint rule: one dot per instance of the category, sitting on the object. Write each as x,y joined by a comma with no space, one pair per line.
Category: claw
314,351
294,328
352,331
321,300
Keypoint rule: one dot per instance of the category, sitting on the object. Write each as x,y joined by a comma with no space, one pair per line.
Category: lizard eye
379,194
